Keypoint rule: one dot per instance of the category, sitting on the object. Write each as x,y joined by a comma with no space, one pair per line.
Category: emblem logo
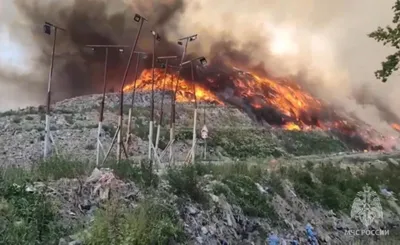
367,207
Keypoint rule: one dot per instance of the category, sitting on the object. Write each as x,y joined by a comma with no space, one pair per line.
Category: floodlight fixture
190,38
138,17
121,50
47,28
203,61
156,36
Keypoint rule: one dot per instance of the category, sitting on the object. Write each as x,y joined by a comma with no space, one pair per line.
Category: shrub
140,174
151,222
184,182
59,167
244,193
28,218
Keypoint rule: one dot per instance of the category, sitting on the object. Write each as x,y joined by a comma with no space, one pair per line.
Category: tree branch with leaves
389,36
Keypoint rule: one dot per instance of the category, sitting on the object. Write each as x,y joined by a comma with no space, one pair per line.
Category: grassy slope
32,217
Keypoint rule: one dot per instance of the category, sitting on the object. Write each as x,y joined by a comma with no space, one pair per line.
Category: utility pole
120,145
173,106
160,123
47,30
101,114
140,55
203,62
156,37
204,134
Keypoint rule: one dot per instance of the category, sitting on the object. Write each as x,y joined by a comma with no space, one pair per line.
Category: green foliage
60,167
110,130
151,222
389,36
335,188
16,119
242,191
141,174
184,182
27,218
302,143
184,135
245,143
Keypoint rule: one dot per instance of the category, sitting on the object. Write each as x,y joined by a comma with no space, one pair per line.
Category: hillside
255,180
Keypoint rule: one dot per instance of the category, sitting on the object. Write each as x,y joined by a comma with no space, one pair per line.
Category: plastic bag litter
104,180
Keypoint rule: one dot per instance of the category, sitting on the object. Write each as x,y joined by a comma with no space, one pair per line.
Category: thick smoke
322,43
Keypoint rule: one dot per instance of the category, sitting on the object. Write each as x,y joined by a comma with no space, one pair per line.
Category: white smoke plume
324,41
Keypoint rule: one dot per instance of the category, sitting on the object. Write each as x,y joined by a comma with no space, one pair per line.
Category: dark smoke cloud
78,71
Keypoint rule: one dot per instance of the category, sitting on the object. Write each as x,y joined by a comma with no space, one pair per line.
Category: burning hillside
278,102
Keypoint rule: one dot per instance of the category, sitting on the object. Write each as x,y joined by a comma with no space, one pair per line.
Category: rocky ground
255,180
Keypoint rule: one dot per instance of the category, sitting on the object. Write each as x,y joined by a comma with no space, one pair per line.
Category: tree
389,36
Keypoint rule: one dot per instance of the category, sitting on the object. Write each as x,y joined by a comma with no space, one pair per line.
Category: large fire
279,102
168,81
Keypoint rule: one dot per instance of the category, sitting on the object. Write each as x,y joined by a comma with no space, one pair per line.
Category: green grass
185,182
244,144
237,181
335,188
61,167
140,173
151,222
27,218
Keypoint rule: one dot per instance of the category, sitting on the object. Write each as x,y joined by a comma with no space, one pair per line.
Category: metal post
47,29
151,126
173,107
47,131
102,104
121,109
101,116
160,123
129,127
195,115
205,140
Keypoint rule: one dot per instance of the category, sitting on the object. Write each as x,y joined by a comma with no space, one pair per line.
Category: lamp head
180,43
192,38
203,61
47,28
137,18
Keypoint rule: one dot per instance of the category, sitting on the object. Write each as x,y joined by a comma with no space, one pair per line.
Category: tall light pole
156,37
47,30
183,42
120,145
203,62
101,114
140,56
165,66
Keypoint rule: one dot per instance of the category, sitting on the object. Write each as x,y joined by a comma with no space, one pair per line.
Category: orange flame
396,126
185,88
292,126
